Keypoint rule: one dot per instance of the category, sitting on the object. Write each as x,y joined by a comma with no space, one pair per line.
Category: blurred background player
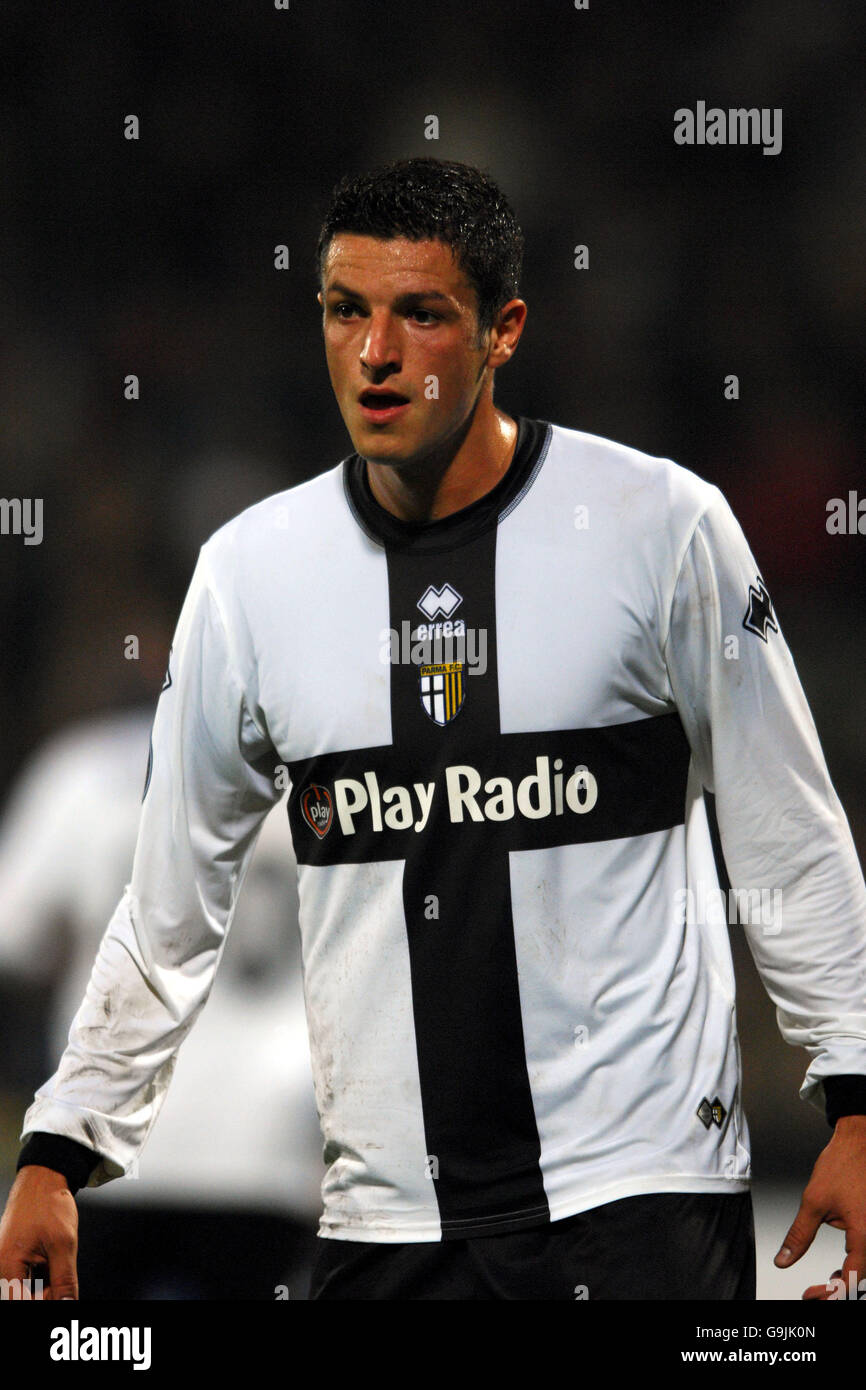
226,1198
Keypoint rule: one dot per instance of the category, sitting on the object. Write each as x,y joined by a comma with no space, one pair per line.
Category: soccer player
516,676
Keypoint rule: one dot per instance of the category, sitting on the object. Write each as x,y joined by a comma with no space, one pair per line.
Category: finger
832,1291
854,1268
62,1274
14,1271
800,1235
33,1290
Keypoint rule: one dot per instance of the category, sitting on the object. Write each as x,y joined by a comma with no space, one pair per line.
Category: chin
378,457
378,447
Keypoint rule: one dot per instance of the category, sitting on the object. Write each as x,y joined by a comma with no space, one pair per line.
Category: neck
455,474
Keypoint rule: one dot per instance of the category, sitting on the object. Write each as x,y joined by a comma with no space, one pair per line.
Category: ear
505,333
320,299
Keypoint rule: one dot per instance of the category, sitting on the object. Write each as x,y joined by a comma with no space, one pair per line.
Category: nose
380,347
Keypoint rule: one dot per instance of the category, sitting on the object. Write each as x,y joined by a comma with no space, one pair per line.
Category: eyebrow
402,301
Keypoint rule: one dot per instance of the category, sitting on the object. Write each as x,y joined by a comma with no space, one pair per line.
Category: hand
39,1228
836,1196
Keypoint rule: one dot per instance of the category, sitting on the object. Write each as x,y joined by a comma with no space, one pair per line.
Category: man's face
401,317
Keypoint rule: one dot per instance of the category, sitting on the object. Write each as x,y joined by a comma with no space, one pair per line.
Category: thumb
800,1235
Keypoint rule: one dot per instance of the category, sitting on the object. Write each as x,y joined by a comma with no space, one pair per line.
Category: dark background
156,257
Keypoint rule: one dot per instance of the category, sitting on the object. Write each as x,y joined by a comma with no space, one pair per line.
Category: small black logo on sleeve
759,614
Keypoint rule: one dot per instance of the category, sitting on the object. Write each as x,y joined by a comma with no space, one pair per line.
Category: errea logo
441,642
759,614
444,601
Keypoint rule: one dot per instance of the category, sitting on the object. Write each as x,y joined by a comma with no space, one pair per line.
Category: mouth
380,406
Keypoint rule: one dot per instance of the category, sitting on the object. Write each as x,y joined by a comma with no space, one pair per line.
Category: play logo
317,809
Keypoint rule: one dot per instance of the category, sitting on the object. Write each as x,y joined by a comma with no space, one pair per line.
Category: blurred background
155,257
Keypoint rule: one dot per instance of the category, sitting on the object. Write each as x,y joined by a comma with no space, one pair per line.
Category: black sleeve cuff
75,1161
844,1095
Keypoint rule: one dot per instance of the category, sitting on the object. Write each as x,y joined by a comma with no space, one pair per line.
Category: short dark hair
429,199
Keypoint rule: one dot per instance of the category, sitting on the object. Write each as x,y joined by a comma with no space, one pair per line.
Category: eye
341,305
425,315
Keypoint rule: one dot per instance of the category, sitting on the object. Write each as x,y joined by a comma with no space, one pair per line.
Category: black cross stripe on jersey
478,1112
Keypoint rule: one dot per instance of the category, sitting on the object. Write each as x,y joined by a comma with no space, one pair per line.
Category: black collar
533,438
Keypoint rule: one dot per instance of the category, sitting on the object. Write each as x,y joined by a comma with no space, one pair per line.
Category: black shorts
672,1245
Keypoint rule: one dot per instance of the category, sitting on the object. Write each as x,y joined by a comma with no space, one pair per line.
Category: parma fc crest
443,690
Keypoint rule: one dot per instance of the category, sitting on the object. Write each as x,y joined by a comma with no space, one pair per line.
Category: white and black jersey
503,732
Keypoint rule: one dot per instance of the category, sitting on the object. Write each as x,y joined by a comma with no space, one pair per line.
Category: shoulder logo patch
759,614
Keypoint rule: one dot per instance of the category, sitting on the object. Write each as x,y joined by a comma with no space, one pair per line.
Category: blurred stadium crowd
155,257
